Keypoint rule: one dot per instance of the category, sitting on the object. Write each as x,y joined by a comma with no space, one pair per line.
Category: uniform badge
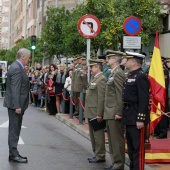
110,79
131,80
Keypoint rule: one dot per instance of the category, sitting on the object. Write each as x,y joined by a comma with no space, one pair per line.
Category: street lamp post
56,3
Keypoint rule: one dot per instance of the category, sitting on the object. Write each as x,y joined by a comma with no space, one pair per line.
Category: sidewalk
83,130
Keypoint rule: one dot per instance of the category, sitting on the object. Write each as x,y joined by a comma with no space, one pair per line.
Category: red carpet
159,152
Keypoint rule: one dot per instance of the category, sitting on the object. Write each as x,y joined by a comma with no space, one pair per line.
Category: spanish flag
157,85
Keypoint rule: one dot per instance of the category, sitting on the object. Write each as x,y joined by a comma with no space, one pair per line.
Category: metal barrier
79,100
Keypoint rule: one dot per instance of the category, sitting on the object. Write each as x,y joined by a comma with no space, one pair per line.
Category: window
165,23
6,18
5,29
5,9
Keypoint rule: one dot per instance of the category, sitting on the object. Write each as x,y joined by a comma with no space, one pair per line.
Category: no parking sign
132,26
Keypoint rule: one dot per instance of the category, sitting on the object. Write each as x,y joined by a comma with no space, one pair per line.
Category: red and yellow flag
157,85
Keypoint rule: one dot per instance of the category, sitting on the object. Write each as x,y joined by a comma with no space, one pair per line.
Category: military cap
168,59
118,53
134,55
74,59
93,62
109,52
83,57
163,58
79,56
102,57
93,57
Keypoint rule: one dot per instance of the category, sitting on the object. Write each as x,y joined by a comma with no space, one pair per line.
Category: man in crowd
94,108
161,129
113,111
135,111
16,100
106,67
78,86
38,67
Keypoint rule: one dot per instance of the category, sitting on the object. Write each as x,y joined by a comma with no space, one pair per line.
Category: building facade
4,24
28,17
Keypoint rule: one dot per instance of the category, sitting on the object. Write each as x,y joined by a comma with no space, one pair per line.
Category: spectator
38,66
3,85
59,80
67,86
35,81
51,95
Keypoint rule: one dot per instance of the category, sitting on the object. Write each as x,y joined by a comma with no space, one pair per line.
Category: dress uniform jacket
113,95
78,84
94,106
136,98
73,77
94,103
136,103
113,106
106,71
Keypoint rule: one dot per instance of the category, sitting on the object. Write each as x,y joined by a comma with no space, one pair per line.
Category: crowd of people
117,93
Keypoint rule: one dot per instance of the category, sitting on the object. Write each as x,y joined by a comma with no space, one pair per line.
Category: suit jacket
113,94
94,102
17,91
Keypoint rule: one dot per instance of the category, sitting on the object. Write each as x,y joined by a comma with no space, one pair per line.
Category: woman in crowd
67,86
59,80
51,95
3,85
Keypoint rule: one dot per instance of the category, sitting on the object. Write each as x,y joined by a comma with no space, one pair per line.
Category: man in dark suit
16,100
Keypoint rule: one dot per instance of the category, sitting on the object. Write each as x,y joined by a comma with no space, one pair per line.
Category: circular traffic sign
132,26
89,26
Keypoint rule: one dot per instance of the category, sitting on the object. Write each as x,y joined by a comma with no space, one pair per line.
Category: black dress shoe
108,167
90,158
18,159
23,157
11,157
95,160
75,114
161,137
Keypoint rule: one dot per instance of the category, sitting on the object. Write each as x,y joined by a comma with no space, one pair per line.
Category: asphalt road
48,144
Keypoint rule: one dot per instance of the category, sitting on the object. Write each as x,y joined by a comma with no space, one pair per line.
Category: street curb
78,128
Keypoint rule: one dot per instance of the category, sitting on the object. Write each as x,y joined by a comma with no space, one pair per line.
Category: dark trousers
15,122
135,144
52,105
162,127
3,89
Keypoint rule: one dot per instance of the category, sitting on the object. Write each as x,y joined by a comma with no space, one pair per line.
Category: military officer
135,110
113,111
78,86
106,67
94,108
73,73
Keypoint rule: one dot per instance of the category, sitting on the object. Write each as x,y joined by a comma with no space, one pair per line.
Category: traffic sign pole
88,57
89,27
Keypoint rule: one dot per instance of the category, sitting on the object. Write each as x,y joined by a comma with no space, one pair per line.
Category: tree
61,35
114,12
